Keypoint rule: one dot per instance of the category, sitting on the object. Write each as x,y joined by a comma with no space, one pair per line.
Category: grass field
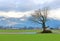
2,30
10,30
29,37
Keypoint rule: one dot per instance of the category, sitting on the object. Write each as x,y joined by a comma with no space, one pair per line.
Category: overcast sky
19,8
25,5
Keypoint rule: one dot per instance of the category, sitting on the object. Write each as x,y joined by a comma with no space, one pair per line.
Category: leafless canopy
40,16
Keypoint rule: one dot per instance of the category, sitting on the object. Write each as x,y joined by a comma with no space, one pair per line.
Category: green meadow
29,37
10,30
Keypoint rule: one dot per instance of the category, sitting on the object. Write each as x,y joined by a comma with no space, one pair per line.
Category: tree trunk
43,26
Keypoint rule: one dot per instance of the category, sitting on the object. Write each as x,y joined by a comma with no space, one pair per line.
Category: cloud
15,8
28,5
54,4
15,14
42,1
11,14
55,14
20,5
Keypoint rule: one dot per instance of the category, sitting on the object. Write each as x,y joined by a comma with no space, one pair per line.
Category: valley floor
29,37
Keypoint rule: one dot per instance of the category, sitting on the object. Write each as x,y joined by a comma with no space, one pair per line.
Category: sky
22,5
19,8
25,5
24,8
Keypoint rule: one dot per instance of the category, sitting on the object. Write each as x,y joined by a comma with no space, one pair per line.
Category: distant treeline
24,28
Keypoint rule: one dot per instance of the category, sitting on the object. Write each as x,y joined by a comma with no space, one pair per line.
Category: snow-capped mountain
21,22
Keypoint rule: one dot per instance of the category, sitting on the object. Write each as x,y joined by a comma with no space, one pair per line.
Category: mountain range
24,21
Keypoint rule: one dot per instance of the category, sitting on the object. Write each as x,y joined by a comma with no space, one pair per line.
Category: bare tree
40,16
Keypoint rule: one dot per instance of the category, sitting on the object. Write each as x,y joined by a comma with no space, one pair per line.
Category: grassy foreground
10,30
29,37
